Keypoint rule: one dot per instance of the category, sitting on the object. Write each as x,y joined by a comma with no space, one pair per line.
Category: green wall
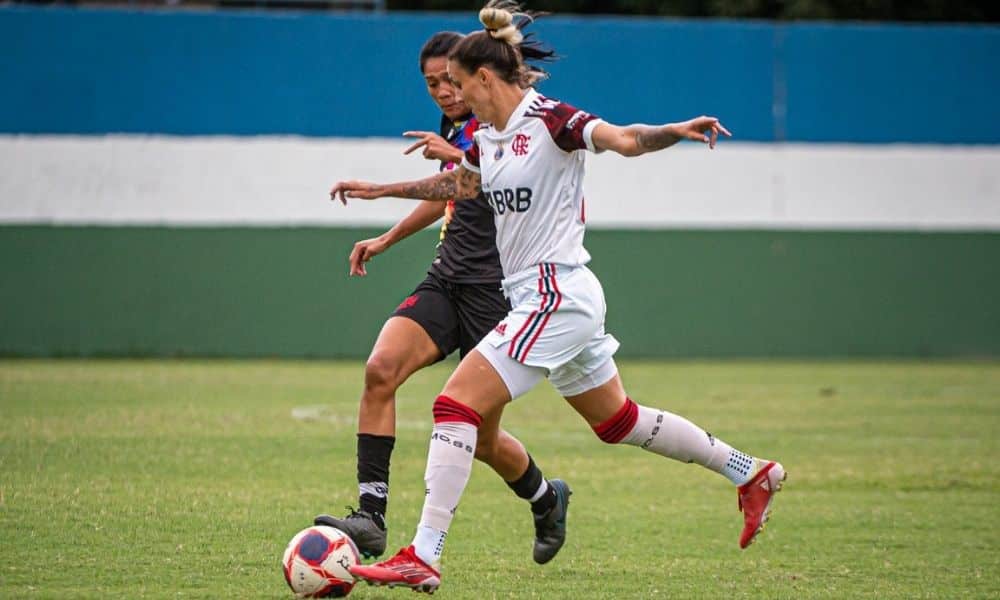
285,292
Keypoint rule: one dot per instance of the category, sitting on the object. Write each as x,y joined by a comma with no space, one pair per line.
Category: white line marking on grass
326,414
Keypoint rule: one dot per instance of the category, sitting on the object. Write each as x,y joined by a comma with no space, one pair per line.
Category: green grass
136,479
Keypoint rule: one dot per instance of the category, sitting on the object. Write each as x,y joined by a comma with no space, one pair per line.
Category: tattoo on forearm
650,139
439,187
468,184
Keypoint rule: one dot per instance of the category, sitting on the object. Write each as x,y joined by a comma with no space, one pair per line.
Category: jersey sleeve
471,159
571,128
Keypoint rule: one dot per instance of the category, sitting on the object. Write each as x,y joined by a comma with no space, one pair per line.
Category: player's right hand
435,147
355,189
363,252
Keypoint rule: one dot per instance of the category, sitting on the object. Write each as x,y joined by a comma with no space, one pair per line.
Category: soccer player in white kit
529,162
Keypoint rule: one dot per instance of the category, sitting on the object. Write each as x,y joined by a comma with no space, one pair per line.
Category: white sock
449,464
429,544
675,437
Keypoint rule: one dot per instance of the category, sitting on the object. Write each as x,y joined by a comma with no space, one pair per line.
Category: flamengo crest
520,144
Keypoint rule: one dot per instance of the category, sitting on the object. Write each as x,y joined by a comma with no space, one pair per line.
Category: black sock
527,485
374,452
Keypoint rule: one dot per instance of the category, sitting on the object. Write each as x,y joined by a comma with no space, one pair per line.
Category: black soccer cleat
366,530
550,527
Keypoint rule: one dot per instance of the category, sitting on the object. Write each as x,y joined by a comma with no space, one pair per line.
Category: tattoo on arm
457,184
443,186
468,183
651,139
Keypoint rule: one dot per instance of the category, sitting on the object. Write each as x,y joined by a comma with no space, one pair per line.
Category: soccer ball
316,563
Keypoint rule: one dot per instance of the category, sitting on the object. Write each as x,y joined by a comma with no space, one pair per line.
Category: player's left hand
362,190
364,251
702,129
435,146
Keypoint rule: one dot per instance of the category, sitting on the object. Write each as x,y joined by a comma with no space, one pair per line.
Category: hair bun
495,18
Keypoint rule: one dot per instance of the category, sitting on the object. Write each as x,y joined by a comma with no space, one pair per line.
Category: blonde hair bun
495,19
498,19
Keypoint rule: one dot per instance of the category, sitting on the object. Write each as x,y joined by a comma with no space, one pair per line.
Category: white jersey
532,177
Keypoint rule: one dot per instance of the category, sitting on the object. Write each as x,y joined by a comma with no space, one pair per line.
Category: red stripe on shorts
558,297
531,318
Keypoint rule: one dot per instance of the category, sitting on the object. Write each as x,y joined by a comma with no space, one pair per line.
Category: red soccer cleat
755,498
405,569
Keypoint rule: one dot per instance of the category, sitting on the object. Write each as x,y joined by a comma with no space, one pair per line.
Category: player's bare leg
617,419
474,389
403,347
503,452
549,498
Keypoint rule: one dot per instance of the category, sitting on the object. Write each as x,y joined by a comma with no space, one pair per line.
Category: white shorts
555,329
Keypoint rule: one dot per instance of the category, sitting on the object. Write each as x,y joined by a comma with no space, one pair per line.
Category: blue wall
97,71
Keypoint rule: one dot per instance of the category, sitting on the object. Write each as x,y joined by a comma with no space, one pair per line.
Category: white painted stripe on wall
284,181
809,186
195,181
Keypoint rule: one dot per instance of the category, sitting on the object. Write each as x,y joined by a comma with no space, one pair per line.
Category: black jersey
467,252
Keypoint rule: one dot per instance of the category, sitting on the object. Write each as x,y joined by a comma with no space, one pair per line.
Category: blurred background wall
163,182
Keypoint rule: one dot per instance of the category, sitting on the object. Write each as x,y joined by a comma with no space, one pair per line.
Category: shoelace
376,518
356,514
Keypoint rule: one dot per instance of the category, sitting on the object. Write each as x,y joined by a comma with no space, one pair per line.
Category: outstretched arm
423,215
457,184
634,140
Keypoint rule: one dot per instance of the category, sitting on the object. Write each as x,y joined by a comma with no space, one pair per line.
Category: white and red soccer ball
316,563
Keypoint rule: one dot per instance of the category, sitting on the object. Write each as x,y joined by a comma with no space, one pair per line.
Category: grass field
143,479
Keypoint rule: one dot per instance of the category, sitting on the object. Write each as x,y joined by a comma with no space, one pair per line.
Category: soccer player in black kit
458,303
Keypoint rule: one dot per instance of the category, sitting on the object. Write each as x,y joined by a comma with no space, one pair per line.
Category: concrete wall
88,71
285,291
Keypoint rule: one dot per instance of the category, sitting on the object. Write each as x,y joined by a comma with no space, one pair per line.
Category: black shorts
455,315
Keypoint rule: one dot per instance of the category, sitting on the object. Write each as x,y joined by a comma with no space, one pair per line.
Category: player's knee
382,372
604,438
618,426
447,410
